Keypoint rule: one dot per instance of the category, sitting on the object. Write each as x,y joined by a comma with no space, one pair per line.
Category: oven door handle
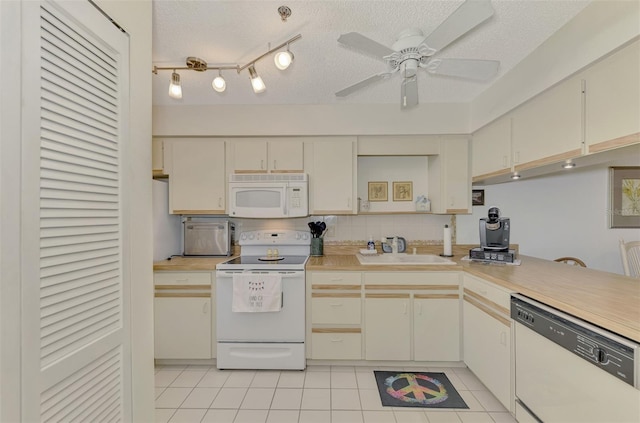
284,274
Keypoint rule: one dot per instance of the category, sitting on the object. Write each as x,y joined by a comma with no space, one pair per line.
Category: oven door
286,325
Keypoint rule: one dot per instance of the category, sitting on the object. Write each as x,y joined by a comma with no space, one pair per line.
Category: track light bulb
256,82
175,89
218,83
283,59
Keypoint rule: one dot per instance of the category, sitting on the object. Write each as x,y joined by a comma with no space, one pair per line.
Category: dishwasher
568,370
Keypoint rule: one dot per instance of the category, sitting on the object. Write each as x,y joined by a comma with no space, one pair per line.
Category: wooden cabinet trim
337,287
615,143
486,301
199,212
336,330
436,296
387,296
182,295
484,176
556,158
413,287
335,295
488,311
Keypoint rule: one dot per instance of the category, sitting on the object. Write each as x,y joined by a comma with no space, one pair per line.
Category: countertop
605,299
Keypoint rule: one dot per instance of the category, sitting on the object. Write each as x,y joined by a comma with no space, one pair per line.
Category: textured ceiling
237,31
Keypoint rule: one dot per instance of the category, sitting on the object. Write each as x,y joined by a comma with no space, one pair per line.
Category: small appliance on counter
208,238
494,239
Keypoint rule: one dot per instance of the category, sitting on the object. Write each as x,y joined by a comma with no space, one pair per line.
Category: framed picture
624,197
378,191
477,197
403,191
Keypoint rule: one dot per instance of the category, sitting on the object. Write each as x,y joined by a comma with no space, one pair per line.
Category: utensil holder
317,247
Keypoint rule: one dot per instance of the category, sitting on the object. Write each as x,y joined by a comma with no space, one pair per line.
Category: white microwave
270,195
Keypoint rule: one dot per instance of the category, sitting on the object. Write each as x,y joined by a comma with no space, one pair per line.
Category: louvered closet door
76,277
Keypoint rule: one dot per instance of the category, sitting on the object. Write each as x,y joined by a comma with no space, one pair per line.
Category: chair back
571,260
630,254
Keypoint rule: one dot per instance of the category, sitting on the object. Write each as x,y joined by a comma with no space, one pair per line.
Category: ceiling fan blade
367,45
466,17
409,92
355,87
480,70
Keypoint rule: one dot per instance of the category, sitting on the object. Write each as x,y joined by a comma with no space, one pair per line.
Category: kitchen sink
403,258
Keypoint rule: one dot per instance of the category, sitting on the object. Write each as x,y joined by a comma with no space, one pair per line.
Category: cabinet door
613,99
456,176
548,128
157,157
491,149
487,351
332,177
436,327
286,156
387,327
182,327
197,183
249,155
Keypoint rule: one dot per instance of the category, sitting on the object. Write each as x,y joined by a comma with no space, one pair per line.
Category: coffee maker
494,238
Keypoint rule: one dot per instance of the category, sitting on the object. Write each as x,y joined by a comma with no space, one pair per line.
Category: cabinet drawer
336,346
182,278
327,279
411,278
489,291
335,309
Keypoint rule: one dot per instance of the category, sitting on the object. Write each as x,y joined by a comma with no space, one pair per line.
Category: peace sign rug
417,389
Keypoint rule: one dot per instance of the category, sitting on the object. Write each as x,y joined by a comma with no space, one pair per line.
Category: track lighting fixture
175,89
218,83
282,61
256,81
515,176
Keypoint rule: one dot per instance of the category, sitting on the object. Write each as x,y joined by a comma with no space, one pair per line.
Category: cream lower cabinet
183,315
487,337
412,316
335,315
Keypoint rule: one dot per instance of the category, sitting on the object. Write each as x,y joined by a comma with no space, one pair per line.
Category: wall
559,215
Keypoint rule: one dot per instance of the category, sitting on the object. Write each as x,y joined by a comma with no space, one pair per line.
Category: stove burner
270,258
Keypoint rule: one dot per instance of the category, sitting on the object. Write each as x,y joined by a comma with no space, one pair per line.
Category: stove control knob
298,236
251,236
305,235
243,236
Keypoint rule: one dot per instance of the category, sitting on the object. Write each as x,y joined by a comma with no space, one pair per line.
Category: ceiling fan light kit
413,51
282,60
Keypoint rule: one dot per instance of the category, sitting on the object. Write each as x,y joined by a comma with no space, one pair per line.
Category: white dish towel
256,292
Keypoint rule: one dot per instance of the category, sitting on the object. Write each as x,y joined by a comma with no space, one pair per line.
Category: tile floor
320,394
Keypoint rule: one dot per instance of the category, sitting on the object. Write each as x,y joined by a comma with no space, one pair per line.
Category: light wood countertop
605,299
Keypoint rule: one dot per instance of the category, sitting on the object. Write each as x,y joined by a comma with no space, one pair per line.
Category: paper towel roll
447,241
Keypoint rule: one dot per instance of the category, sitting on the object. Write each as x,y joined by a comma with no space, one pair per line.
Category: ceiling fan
413,51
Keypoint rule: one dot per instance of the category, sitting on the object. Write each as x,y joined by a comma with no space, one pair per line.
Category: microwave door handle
286,201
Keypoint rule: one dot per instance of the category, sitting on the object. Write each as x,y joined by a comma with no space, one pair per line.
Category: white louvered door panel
83,359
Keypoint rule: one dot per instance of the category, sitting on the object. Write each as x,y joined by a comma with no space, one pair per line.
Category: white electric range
263,339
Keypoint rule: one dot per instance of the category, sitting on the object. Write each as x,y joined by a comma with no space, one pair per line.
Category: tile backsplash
346,229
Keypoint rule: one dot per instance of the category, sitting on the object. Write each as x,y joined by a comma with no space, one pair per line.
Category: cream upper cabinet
613,100
450,177
157,157
197,176
272,155
332,175
491,149
548,128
